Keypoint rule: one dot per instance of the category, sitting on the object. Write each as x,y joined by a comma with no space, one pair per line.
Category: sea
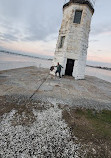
12,61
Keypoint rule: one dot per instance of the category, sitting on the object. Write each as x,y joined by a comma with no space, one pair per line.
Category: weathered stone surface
76,39
83,2
90,93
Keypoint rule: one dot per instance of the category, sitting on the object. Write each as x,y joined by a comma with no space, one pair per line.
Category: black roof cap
81,2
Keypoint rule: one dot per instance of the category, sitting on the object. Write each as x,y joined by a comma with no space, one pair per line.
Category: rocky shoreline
100,67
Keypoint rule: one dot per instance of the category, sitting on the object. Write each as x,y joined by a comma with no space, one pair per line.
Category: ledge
89,4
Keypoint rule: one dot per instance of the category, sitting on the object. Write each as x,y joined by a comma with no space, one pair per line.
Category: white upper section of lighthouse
91,1
72,44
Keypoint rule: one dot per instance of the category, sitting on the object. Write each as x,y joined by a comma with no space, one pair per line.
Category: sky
32,27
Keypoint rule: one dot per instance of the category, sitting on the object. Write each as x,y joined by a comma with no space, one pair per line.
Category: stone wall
76,39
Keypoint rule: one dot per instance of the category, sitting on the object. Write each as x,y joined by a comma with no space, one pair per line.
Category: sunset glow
34,28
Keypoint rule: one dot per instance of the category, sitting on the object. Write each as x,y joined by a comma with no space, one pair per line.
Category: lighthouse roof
87,2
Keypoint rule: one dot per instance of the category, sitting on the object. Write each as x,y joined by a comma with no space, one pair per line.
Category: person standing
58,69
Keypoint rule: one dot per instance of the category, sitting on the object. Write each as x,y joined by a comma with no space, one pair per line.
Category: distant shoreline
7,52
99,67
43,58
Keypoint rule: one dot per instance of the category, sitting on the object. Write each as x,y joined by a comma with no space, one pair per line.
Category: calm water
9,61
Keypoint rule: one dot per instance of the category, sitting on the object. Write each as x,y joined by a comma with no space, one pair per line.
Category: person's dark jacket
59,68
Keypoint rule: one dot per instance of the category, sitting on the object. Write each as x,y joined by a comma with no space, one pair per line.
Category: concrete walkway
90,93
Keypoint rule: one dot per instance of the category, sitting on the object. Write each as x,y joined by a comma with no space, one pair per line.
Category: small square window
62,41
77,17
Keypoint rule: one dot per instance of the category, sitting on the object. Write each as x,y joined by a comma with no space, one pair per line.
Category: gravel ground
48,136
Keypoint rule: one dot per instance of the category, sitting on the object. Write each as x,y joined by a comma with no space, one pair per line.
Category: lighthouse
72,43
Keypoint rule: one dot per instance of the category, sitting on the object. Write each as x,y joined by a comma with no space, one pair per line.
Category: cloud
101,29
8,37
29,20
35,20
33,26
101,21
93,40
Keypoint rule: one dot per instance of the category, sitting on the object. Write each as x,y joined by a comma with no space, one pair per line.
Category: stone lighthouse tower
72,44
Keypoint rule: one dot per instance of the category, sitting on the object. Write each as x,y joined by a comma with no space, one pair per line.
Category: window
62,41
77,18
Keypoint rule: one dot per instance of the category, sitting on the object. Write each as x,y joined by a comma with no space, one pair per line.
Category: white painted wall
76,39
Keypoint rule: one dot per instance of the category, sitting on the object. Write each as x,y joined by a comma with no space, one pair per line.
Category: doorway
69,67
